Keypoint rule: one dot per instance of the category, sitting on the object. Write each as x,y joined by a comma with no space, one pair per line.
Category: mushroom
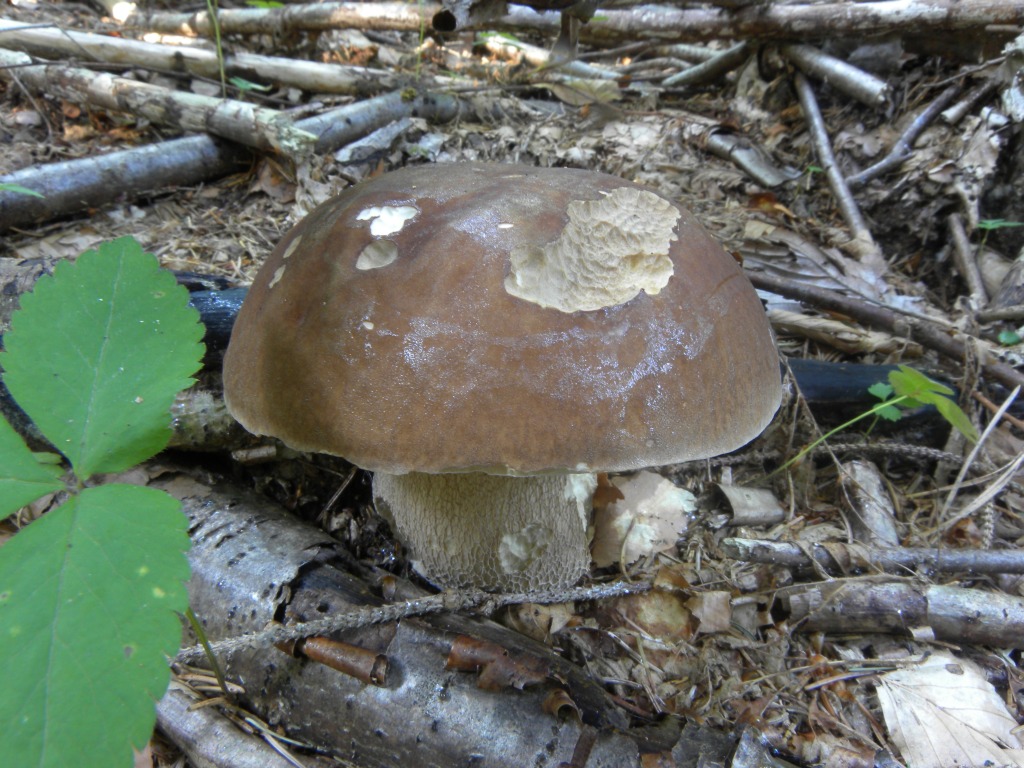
485,338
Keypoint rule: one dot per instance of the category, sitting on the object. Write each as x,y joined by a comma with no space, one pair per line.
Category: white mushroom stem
496,533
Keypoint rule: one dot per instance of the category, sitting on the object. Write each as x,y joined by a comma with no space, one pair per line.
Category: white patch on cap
377,254
387,219
278,274
609,251
291,247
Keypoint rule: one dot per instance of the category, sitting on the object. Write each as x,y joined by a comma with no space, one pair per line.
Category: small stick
869,251
1012,312
712,69
886,559
902,148
963,255
844,77
377,614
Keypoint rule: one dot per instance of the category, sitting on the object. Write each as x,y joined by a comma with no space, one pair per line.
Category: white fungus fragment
609,251
387,219
377,254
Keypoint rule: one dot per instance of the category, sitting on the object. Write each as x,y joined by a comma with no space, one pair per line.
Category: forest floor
934,240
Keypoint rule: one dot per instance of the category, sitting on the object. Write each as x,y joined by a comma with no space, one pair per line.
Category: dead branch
75,185
310,18
902,148
777,21
863,243
905,607
839,558
767,22
930,335
256,127
844,77
308,75
252,563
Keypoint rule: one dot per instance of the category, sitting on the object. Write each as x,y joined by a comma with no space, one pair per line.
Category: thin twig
902,148
837,183
963,255
709,71
378,614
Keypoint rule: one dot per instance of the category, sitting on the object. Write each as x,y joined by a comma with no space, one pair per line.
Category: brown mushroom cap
502,319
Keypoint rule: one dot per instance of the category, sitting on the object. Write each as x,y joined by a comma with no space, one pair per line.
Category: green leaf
955,416
888,412
1008,338
247,85
23,477
910,382
881,390
920,390
88,595
97,353
988,224
18,189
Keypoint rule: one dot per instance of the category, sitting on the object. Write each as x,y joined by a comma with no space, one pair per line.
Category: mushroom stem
497,533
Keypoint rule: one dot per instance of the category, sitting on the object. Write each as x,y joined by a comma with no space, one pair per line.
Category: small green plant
907,388
988,225
218,43
89,592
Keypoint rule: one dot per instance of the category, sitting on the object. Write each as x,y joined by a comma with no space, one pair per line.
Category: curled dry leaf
540,621
559,704
495,665
649,518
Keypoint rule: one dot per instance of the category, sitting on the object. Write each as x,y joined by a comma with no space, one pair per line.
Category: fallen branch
75,185
277,21
930,335
840,558
905,607
308,75
863,243
773,21
239,121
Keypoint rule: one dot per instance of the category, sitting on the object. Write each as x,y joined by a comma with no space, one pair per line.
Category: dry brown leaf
944,712
650,517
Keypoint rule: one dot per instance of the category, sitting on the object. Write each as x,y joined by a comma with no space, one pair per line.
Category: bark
308,75
256,127
252,563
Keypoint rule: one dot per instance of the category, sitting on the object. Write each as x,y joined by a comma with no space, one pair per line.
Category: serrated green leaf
97,353
23,477
889,412
88,595
881,390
